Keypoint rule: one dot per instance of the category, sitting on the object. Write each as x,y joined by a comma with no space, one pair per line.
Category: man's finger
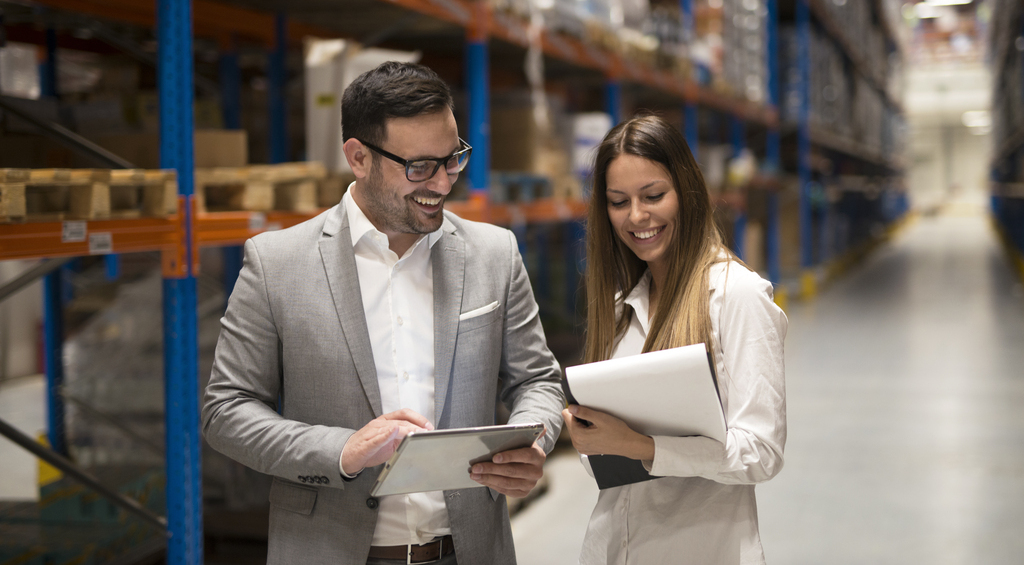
532,455
507,486
410,416
511,470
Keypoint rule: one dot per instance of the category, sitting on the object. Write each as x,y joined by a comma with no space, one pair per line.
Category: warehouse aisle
906,428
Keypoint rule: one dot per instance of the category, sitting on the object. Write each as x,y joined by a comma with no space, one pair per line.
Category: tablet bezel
441,459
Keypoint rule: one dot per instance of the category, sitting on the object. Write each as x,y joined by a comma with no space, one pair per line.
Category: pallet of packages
85,194
260,188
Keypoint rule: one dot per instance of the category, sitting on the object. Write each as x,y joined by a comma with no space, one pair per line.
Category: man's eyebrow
431,157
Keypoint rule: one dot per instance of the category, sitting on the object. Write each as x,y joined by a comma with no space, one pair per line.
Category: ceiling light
977,119
947,2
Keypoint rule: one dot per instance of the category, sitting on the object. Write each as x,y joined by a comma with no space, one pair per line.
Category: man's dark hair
392,90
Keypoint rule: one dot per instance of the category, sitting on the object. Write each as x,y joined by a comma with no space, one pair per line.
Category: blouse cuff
691,456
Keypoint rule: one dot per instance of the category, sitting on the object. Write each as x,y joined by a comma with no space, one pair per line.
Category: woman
660,277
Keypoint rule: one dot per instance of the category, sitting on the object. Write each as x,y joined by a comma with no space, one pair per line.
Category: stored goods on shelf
213,148
85,194
287,186
330,66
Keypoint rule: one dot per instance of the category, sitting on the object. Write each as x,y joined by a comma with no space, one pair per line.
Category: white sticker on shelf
257,221
101,243
274,226
73,232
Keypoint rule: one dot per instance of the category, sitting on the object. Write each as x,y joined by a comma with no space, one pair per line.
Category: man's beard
396,214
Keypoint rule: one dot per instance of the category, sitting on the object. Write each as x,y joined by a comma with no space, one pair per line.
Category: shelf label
73,232
257,221
101,243
274,226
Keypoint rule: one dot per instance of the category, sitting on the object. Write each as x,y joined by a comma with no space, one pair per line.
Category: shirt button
405,376
623,545
400,322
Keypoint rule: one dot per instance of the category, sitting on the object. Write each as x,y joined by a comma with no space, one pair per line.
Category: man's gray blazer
295,333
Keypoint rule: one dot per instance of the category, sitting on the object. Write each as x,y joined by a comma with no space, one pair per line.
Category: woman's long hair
682,317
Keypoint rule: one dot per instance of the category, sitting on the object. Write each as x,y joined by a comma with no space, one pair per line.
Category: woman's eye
655,197
617,204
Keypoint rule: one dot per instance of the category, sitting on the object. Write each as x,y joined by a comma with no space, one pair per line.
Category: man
381,316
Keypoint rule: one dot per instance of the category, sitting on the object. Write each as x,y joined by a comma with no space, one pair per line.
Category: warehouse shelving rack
1007,190
811,140
179,237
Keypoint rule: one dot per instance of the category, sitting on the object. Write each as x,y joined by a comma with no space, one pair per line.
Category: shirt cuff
341,468
691,456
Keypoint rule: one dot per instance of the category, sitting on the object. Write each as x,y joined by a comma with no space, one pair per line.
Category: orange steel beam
210,19
215,229
45,239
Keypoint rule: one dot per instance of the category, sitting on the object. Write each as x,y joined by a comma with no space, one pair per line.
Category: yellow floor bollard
47,473
808,285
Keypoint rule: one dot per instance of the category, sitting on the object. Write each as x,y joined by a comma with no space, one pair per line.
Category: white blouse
701,509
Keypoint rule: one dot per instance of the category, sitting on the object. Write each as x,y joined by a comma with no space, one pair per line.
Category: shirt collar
359,225
640,300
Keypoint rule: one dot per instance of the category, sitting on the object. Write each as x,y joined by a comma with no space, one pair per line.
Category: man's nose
441,182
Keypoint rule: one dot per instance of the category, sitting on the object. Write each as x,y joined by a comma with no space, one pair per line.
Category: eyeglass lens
422,170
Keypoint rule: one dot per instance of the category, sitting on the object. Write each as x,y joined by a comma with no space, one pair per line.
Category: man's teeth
646,234
427,201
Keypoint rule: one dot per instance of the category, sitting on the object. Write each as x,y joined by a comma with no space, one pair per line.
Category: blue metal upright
773,147
613,100
53,296
53,350
738,131
478,91
691,127
230,89
112,266
232,257
277,72
803,33
48,84
181,366
231,111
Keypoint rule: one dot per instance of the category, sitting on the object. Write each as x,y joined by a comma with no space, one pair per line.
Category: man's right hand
375,442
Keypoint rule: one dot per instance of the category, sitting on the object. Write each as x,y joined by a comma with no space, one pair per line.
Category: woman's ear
358,156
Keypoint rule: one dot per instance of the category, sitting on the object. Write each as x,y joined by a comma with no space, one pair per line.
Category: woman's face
642,206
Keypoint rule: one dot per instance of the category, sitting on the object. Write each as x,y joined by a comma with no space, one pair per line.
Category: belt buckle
440,552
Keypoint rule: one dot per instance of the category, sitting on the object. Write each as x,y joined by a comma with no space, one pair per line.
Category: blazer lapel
448,259
340,265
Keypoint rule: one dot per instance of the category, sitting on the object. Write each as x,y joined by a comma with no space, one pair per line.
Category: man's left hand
512,473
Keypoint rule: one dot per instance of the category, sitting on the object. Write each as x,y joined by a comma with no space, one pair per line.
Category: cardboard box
213,148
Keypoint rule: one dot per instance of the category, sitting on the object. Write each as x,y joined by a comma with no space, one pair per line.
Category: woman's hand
606,435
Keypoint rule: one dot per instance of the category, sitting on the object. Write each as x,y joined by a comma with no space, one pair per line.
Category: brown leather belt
425,553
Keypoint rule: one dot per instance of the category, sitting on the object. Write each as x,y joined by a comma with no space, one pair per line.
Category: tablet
441,459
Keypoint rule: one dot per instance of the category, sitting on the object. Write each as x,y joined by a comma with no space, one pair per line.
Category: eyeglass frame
465,148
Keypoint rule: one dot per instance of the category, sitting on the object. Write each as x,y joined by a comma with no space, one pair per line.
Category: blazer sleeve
751,332
239,416
530,374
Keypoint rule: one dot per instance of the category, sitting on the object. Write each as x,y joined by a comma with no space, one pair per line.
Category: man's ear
358,156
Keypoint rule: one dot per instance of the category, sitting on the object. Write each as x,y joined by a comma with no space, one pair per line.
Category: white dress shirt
701,510
398,299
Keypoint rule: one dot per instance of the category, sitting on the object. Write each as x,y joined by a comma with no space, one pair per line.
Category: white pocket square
479,311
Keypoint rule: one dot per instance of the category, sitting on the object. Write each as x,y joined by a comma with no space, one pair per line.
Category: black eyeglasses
420,170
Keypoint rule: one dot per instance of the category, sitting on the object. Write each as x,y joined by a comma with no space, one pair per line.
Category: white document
670,392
